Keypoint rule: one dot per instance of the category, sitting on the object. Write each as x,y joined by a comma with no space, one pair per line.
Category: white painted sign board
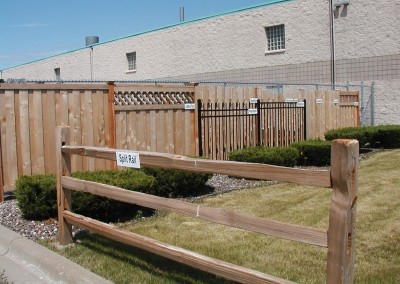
252,111
190,106
128,159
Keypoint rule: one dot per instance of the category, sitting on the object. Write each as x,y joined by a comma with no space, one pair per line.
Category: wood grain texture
238,169
111,114
11,139
205,263
1,172
49,126
3,132
216,215
74,119
149,88
342,218
340,238
36,132
63,194
87,126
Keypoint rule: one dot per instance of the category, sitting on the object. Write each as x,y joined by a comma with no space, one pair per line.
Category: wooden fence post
111,118
63,195
342,219
1,173
111,113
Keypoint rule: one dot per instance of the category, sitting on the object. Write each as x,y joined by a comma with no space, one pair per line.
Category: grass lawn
377,234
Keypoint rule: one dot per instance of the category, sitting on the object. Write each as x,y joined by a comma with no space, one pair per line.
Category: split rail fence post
342,219
63,194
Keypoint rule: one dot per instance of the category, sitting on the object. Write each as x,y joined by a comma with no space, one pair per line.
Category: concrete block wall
232,47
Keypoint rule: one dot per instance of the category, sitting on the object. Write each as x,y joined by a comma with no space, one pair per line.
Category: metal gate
224,127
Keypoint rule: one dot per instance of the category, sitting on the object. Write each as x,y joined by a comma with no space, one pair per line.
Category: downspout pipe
332,47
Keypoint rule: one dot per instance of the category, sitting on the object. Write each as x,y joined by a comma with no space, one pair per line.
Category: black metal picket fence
223,127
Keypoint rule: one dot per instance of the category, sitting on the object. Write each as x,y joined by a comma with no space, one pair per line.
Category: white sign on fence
320,101
300,104
253,100
128,159
252,111
335,101
190,106
290,100
356,104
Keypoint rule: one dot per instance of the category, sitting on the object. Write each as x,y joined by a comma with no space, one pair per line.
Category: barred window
57,73
275,37
131,57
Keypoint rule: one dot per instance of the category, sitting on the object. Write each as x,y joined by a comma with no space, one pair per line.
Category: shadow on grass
154,265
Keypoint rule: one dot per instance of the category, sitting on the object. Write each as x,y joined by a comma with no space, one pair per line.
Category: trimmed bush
279,156
108,210
362,134
383,136
387,136
313,152
37,195
177,183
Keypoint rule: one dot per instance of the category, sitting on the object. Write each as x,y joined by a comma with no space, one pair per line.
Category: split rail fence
339,239
128,116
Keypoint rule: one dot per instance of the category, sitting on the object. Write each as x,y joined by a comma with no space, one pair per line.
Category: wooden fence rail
339,239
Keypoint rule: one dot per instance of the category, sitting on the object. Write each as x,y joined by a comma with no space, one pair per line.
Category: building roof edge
273,2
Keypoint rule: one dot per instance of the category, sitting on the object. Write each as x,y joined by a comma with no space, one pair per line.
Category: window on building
275,37
131,57
57,73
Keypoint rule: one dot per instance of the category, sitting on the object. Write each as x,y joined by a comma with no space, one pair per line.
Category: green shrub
108,210
279,156
313,152
37,195
383,136
387,136
178,183
362,134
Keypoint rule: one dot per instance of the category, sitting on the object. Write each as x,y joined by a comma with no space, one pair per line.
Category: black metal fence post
258,106
305,119
200,131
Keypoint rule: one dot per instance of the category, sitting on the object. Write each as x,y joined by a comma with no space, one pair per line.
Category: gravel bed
11,217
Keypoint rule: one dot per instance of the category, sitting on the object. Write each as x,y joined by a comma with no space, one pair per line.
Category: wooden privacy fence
29,114
325,109
339,239
154,118
137,117
224,127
